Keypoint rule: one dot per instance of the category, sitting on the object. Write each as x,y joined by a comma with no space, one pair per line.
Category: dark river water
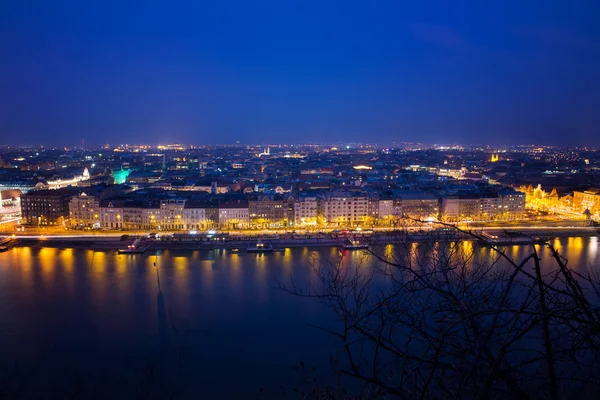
208,323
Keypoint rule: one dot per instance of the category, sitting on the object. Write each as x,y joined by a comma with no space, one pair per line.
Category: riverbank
189,242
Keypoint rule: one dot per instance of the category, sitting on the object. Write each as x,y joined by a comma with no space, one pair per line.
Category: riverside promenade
240,240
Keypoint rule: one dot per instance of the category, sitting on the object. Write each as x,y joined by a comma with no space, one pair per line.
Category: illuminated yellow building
62,183
587,200
540,200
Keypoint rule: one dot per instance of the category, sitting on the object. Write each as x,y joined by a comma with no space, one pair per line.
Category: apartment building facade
342,209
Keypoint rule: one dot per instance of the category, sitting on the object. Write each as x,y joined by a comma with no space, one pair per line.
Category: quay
180,241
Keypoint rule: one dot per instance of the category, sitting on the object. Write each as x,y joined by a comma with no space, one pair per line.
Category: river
209,323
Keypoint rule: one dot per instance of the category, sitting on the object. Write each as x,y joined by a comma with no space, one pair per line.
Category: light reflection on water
92,307
592,247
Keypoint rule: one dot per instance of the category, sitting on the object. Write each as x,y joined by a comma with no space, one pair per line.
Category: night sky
219,71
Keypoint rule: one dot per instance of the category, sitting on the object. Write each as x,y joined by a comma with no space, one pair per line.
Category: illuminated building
62,183
305,211
194,216
510,205
23,186
267,211
504,206
587,200
454,173
386,208
342,209
84,208
84,211
10,204
266,152
47,207
169,215
172,211
212,216
419,206
133,216
212,187
120,176
151,216
540,200
372,209
10,198
234,214
389,211
175,146
111,214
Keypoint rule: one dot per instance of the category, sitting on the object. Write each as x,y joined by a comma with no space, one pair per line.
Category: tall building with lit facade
305,211
172,214
342,209
111,214
587,200
419,206
47,207
84,211
234,214
267,211
503,206
194,216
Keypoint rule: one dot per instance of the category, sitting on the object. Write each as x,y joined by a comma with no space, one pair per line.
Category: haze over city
278,71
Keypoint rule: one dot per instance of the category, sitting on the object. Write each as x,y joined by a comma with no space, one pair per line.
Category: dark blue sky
217,71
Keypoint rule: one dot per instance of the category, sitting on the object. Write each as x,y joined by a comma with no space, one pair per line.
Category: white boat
133,248
260,247
355,244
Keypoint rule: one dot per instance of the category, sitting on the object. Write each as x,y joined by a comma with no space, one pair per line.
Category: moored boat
134,248
4,244
355,244
510,238
260,247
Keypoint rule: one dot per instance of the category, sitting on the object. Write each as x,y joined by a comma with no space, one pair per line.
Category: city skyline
342,145
229,71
